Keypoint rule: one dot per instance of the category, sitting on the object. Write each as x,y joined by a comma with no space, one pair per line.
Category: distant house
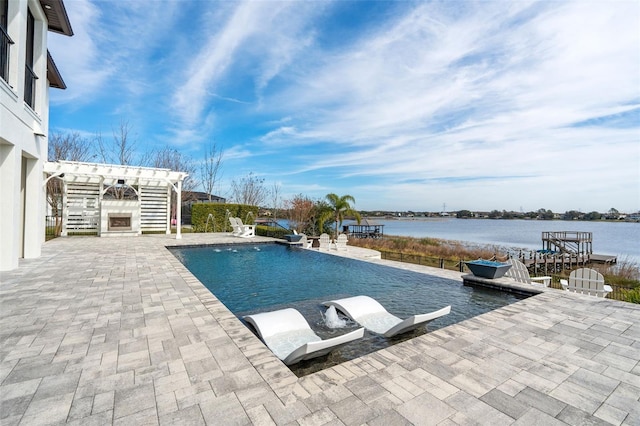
27,71
194,197
201,197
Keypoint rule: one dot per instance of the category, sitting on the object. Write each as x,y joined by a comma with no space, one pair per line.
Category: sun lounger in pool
370,314
290,338
586,281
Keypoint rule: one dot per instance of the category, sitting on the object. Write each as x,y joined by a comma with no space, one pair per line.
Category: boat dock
564,250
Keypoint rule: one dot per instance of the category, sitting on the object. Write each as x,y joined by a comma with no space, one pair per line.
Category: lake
620,239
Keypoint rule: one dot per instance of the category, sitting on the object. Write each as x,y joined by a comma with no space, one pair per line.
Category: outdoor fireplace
120,218
119,222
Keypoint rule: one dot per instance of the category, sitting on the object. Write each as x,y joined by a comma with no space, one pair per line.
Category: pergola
88,208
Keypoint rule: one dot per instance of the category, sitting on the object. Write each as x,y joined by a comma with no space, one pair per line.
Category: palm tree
340,207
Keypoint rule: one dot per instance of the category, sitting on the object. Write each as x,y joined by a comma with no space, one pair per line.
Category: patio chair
305,242
236,229
325,242
586,281
370,314
247,231
341,242
520,273
288,335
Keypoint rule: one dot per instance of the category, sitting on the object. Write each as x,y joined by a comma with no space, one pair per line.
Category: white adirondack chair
586,281
520,273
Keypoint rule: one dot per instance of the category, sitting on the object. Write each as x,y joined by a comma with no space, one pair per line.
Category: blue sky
403,105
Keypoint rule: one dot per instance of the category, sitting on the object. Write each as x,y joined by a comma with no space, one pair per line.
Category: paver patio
117,331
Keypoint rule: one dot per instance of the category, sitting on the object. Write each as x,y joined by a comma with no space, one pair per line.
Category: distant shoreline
439,218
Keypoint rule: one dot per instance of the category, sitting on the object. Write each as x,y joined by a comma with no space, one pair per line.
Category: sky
423,106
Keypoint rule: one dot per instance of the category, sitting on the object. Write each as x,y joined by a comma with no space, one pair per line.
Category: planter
488,268
293,238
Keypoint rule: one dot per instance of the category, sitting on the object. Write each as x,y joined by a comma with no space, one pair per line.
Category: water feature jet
332,320
212,217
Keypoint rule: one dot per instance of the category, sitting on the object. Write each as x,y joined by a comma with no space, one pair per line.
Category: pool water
253,278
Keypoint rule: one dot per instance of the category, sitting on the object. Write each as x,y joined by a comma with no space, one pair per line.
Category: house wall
22,148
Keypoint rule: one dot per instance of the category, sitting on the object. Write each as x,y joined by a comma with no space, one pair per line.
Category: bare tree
170,158
70,147
249,190
122,149
275,198
210,168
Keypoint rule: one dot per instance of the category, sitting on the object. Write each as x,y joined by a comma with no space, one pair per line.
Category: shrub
200,212
272,231
631,296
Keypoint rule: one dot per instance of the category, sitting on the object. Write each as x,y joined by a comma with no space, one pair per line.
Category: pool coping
553,357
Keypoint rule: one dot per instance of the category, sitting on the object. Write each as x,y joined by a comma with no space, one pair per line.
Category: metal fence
624,293
51,227
435,262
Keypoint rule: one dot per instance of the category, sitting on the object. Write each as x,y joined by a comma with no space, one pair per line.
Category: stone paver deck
117,331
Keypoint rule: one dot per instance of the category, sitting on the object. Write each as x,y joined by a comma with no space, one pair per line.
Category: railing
624,293
568,241
5,43
52,227
30,78
435,262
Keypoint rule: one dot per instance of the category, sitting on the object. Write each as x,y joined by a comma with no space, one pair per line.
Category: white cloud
495,89
78,57
456,100
267,35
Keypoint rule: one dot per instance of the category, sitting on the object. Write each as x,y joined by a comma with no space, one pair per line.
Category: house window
5,40
30,76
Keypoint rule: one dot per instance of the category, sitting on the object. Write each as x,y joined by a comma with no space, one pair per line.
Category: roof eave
58,20
53,75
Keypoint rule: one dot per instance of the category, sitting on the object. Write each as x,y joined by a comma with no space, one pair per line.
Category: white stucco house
27,71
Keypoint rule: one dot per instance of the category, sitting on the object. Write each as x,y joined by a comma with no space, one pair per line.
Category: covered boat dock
367,228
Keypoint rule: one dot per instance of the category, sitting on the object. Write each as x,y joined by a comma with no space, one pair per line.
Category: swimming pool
253,278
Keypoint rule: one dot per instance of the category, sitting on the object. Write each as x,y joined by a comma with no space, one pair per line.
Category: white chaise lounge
586,281
290,338
370,314
520,273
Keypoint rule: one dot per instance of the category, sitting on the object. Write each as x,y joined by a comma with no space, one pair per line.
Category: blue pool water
264,277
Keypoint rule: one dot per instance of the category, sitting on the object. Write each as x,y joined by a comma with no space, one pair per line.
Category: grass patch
428,247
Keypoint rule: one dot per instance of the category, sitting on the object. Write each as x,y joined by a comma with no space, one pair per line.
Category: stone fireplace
119,218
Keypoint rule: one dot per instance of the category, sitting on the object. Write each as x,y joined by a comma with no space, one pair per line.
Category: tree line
542,214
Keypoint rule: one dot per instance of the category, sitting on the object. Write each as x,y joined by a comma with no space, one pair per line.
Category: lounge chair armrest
416,321
322,347
546,281
564,284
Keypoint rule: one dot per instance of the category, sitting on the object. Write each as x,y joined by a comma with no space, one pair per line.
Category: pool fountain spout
332,320
213,219
227,215
246,219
